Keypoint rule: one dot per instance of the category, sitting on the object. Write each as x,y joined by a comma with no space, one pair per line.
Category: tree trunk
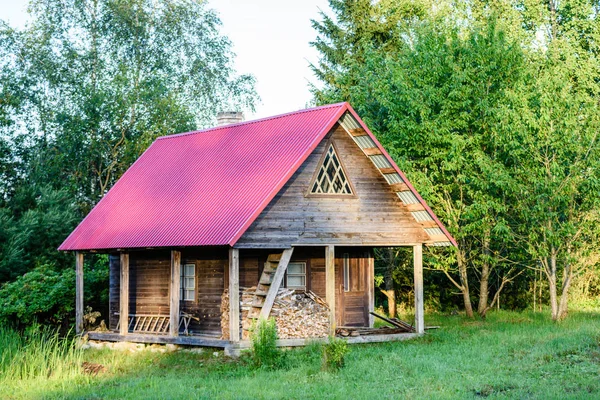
482,305
564,296
464,281
551,273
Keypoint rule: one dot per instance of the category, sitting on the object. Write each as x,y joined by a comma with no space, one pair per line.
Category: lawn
510,355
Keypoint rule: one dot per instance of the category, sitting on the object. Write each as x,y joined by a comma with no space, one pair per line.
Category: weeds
265,353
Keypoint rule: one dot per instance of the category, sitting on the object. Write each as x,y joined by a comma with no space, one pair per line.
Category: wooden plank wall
375,216
149,287
150,274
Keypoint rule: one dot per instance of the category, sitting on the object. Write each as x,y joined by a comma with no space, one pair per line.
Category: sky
270,37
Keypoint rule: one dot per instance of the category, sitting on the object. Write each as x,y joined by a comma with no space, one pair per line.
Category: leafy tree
100,79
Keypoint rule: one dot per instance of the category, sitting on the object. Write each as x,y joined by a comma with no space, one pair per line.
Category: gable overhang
416,205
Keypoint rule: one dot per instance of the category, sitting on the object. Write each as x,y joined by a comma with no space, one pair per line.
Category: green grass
511,355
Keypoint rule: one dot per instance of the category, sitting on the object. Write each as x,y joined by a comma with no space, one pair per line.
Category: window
346,272
188,282
296,275
331,178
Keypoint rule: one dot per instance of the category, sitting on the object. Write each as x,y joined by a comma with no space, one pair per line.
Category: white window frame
188,293
303,275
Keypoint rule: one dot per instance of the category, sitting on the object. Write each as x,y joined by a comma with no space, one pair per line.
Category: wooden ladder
264,284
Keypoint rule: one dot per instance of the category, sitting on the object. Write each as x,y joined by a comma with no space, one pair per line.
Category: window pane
189,295
189,283
296,281
189,269
296,268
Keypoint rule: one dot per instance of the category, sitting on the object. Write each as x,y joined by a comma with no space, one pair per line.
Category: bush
265,353
334,354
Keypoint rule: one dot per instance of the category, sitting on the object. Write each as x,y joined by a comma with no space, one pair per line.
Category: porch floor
211,341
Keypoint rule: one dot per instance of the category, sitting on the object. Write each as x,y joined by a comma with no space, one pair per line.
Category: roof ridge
254,121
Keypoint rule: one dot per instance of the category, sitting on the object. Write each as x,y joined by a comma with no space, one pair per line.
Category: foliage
510,355
491,110
37,354
265,353
334,354
85,88
45,295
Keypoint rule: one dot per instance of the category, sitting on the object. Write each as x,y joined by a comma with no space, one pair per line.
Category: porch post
124,295
234,295
419,308
175,292
371,286
330,285
78,292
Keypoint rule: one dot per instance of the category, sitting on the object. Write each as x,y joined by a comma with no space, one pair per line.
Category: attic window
331,177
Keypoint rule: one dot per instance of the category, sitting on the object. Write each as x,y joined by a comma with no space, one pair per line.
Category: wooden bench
148,323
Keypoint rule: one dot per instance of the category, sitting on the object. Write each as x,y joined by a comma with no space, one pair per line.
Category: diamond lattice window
331,178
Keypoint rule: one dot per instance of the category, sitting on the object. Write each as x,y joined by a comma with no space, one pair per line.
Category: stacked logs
298,314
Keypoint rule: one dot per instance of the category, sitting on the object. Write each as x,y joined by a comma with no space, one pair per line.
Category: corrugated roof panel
380,161
421,216
349,122
392,178
364,142
407,197
434,231
203,188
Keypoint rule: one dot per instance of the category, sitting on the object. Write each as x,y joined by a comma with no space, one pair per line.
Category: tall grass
39,352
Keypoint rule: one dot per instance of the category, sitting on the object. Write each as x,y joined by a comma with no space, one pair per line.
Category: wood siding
150,276
149,286
374,216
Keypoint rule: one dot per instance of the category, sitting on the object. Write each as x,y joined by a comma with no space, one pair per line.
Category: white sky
270,37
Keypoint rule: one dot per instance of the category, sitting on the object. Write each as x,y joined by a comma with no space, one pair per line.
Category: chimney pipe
229,117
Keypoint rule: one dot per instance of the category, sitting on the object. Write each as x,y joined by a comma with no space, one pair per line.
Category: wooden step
270,267
274,257
266,278
258,301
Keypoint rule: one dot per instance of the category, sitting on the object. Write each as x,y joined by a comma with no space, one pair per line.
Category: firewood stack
298,314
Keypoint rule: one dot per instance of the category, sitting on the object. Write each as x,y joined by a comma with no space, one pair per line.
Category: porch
157,327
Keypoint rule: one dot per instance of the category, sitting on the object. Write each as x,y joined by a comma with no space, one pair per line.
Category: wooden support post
234,295
419,307
330,285
175,293
124,295
78,292
371,286
276,283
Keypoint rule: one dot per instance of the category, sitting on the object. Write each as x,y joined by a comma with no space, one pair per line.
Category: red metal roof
205,188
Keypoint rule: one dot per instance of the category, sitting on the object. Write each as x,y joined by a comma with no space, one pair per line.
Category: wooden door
351,288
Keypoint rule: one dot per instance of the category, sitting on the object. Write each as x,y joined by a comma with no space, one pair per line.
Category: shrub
334,353
264,344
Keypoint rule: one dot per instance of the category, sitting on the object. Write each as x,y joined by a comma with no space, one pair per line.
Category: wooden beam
276,283
234,295
371,151
124,295
415,207
357,132
330,285
387,170
419,306
439,238
78,292
429,224
174,293
400,187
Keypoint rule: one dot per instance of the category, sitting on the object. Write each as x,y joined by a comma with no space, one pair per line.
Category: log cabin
205,219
